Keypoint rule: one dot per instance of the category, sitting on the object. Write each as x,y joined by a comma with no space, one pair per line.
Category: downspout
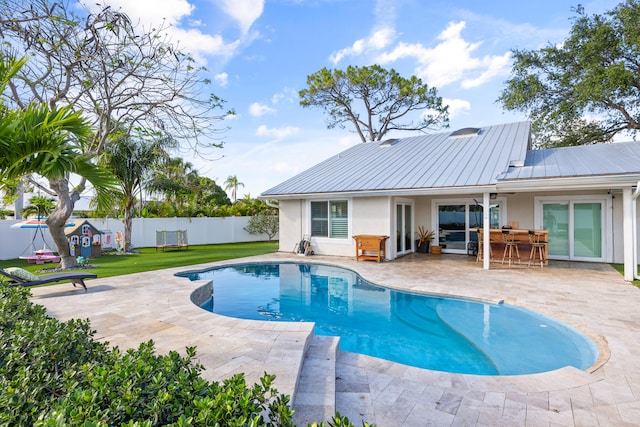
634,228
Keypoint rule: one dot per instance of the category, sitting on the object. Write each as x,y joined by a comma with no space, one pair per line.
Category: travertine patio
127,310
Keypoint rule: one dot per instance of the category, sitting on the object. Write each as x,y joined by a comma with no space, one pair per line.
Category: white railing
15,242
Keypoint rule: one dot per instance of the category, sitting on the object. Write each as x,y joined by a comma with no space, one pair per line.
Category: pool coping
252,347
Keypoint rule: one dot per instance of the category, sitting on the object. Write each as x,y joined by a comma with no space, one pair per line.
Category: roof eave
569,183
405,192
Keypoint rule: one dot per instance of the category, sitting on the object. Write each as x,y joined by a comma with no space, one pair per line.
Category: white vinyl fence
15,242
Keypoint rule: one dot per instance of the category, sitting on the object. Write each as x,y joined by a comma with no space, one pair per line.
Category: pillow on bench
22,273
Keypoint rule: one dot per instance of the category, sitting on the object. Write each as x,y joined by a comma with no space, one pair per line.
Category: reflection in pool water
446,334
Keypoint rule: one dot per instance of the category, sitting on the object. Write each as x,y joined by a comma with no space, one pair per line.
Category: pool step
315,396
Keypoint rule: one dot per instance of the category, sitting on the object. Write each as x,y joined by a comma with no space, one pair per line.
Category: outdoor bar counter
524,243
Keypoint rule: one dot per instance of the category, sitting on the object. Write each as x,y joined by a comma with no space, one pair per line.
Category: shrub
54,373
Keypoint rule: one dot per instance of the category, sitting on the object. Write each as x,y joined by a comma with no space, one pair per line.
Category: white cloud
494,66
451,60
457,107
278,133
222,79
244,12
287,94
152,11
378,40
170,14
256,109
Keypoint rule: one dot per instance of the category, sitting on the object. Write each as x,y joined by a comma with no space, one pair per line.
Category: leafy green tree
232,183
264,223
121,75
48,142
130,160
374,100
174,179
39,206
585,89
208,193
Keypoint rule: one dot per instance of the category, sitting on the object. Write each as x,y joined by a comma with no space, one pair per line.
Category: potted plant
425,237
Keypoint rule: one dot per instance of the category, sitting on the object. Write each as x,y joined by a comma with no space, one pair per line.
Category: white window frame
347,239
607,222
403,202
435,203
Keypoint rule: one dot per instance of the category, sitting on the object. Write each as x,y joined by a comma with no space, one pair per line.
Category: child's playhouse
85,240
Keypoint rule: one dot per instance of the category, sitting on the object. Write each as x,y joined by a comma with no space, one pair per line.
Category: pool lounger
76,278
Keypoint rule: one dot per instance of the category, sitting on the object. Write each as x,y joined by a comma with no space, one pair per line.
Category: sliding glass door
455,219
576,228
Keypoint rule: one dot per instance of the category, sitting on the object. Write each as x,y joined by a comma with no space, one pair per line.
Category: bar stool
538,246
510,246
480,256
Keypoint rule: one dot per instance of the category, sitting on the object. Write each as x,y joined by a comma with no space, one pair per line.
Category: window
330,219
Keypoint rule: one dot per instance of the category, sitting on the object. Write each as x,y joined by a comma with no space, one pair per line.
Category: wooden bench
370,247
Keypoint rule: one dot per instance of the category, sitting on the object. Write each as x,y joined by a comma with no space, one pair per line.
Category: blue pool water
445,334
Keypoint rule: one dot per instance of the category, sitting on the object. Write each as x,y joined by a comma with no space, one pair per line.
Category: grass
620,268
151,259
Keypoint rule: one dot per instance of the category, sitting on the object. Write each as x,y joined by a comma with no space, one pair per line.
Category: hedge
55,373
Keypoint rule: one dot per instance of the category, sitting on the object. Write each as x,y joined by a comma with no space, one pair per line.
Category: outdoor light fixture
493,196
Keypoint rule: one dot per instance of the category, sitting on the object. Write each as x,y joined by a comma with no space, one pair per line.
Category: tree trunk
58,218
128,224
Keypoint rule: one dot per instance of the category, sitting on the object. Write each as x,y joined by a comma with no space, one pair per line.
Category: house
84,239
584,196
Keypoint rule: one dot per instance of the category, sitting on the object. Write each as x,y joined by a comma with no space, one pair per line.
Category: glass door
455,220
575,229
404,228
452,227
555,219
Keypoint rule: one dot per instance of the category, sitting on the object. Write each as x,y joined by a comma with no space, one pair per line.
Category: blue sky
260,52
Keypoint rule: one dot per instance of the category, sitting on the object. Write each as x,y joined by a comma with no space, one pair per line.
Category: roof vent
465,132
516,163
388,142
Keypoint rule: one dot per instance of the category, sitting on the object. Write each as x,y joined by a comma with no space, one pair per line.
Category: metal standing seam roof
426,161
619,158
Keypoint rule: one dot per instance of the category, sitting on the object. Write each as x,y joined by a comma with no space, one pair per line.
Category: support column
486,226
627,233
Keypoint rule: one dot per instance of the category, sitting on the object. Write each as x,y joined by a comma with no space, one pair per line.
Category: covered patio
127,310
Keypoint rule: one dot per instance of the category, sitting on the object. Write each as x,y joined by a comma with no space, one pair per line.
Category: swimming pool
426,331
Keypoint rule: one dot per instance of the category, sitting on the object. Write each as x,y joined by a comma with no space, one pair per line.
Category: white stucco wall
291,219
376,215
372,218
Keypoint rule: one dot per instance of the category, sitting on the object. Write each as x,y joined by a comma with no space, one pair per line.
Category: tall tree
39,206
131,160
375,101
585,89
232,183
102,64
174,179
37,140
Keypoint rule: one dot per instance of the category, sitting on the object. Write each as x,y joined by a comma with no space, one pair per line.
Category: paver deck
127,310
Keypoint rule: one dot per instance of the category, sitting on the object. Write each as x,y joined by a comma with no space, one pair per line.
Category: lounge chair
75,277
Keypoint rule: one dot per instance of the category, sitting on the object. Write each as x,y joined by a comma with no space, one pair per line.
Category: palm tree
232,184
39,206
175,179
48,142
130,161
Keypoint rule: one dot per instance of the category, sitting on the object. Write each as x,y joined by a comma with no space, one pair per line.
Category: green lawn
620,268
151,259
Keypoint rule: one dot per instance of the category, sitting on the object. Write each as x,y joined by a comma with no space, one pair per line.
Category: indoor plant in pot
425,237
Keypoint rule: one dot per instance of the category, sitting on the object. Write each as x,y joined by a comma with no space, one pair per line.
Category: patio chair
19,278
